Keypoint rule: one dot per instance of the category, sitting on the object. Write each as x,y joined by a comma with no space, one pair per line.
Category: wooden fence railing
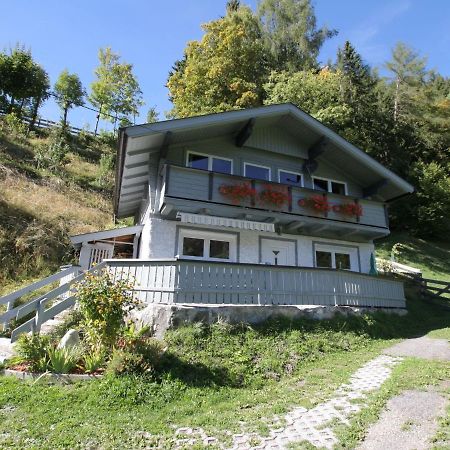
44,123
61,297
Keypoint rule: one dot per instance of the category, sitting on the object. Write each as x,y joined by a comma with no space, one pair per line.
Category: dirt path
422,347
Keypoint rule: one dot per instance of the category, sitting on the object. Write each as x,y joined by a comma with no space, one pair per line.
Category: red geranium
276,196
349,209
317,202
237,192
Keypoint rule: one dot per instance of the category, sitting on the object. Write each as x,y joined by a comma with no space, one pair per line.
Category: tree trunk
98,119
35,112
11,105
21,107
396,99
66,109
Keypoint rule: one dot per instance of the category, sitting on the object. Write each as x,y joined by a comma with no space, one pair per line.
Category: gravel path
408,423
422,347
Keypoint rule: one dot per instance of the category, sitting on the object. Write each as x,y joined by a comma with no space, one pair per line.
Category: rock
70,339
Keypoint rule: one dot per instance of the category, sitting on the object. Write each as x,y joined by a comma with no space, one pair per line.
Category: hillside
40,208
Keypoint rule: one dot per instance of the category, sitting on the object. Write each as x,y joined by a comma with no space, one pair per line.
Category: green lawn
220,378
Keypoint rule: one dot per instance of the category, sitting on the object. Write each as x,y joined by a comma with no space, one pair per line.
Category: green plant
104,304
33,349
13,124
63,360
106,166
93,360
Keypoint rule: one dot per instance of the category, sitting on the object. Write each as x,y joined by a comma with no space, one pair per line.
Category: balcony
294,210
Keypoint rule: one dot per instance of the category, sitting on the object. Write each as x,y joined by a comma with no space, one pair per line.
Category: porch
178,281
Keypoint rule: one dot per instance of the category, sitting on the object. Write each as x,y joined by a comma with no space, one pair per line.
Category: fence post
38,318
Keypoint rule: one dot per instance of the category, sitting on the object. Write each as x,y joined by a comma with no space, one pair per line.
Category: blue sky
152,35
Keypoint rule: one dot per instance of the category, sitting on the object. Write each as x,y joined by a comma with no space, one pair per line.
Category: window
256,172
193,247
212,163
320,185
325,185
206,245
342,261
323,259
291,178
333,259
219,249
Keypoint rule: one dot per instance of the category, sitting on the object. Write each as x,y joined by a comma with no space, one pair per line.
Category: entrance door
278,252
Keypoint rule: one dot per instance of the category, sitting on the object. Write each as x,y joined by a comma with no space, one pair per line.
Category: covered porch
178,281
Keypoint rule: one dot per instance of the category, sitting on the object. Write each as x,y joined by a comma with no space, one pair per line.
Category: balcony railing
204,282
233,190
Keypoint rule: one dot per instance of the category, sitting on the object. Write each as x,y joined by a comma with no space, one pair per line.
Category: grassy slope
432,257
39,209
221,378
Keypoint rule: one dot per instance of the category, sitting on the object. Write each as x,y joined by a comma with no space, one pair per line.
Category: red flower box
272,195
349,209
237,192
316,202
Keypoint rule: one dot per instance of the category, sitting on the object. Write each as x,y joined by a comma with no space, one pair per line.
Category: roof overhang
138,143
79,239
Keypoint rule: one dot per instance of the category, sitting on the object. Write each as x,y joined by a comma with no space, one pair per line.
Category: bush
104,304
106,166
13,124
52,155
33,350
93,360
63,360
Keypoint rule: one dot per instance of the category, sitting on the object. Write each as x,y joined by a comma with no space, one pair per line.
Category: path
408,422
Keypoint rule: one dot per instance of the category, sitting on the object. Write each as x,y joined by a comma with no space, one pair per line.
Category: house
257,206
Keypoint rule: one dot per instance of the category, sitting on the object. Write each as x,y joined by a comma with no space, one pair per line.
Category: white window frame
333,251
208,236
257,165
329,181
293,173
210,159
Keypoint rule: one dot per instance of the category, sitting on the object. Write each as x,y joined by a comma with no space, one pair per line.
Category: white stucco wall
159,238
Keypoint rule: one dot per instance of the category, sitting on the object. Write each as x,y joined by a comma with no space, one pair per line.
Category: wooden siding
182,281
193,184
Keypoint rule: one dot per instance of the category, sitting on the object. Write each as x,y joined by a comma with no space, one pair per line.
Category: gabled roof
137,143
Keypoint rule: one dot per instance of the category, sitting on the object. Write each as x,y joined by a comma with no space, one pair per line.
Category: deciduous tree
69,92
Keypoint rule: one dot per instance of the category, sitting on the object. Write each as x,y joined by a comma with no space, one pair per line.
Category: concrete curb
65,378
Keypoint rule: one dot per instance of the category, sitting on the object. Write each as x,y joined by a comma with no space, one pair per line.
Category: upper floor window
256,172
325,185
291,178
208,162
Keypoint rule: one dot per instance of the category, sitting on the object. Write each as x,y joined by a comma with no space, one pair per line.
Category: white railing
186,281
62,296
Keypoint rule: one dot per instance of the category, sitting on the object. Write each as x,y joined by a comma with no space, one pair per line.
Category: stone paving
314,425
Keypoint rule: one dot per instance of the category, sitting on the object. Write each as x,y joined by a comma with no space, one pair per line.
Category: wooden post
38,318
289,198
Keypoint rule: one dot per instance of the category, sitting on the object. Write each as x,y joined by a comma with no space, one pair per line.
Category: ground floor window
333,258
198,244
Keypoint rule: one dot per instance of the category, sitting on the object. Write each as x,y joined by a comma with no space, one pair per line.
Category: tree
152,115
115,92
22,81
408,71
69,92
290,33
224,70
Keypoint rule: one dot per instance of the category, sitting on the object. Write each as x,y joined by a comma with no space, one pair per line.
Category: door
278,252
92,254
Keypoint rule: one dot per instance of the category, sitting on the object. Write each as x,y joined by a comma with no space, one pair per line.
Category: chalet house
256,206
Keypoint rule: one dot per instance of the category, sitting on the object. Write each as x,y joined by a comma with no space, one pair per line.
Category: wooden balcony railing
201,185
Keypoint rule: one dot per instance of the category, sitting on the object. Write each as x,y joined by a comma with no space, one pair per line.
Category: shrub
33,349
63,360
53,154
106,166
93,360
104,304
14,125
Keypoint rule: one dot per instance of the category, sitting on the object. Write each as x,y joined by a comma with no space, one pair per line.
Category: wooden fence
206,282
44,123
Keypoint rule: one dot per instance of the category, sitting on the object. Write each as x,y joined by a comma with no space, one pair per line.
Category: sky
151,34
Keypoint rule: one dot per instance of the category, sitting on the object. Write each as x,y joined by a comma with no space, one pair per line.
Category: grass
432,257
40,209
412,373
224,379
